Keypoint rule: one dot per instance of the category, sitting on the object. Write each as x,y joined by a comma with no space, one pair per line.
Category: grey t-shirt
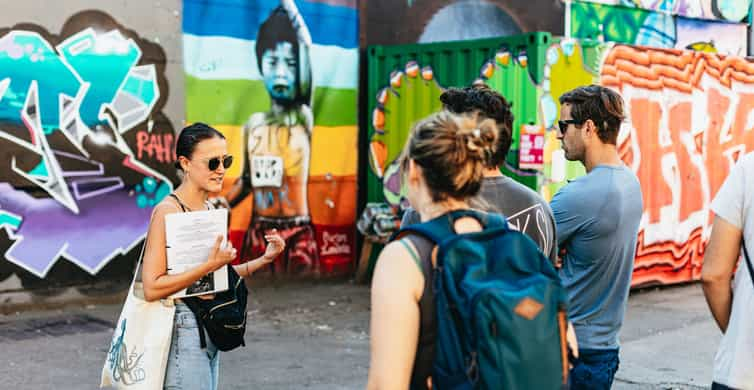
524,209
597,218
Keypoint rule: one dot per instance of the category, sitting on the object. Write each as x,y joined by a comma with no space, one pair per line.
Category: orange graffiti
690,119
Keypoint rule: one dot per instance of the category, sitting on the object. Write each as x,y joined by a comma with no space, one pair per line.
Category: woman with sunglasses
203,158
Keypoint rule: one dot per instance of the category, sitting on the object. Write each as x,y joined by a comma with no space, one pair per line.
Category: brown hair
602,105
452,151
488,103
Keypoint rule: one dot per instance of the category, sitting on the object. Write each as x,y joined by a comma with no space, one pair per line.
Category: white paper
189,238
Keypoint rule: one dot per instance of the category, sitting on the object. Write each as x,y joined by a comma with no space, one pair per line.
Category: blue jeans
594,369
189,366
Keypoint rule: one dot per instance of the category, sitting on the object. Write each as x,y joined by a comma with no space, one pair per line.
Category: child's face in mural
279,71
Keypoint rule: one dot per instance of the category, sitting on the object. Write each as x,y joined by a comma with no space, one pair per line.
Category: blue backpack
500,307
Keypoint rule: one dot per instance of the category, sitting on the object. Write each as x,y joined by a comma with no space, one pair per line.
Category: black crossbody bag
224,316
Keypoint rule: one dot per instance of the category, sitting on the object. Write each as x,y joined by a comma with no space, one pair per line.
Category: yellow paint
334,151
234,137
568,73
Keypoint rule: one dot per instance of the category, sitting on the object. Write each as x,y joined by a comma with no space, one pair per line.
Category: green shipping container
405,81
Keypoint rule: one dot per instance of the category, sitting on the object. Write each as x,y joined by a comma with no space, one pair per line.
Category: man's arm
566,211
720,259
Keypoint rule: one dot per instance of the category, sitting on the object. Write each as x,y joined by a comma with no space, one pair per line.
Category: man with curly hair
525,210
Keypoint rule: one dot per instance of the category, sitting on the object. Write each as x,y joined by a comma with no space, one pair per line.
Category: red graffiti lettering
692,117
157,146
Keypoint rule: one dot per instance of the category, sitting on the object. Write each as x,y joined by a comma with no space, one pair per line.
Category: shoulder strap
748,261
183,207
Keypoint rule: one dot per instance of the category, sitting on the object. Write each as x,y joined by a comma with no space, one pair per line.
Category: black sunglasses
564,124
214,162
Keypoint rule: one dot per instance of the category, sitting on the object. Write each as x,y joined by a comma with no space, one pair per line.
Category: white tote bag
138,354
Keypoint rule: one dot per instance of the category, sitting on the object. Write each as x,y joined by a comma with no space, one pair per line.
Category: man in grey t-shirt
597,219
525,210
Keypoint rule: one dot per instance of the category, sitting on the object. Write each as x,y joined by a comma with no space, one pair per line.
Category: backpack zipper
226,303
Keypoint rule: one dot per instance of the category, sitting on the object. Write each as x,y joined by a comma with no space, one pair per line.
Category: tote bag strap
137,273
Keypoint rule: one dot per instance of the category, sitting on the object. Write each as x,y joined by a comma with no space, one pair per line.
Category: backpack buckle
473,371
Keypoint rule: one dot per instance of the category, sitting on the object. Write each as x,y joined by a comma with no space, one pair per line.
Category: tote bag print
139,350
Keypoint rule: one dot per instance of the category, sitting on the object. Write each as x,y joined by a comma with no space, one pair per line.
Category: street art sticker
79,129
638,26
727,10
279,79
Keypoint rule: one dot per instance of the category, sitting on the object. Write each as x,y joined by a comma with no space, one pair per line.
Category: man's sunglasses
564,124
214,162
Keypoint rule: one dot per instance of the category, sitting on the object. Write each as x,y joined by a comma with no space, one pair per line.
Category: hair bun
478,137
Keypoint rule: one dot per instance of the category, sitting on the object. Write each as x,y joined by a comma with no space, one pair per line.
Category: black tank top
425,351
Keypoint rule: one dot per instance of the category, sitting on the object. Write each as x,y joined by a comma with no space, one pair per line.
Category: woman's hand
275,246
220,255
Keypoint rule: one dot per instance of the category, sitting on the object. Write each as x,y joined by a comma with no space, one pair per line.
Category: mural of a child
279,145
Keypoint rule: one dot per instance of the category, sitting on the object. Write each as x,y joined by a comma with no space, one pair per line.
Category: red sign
531,147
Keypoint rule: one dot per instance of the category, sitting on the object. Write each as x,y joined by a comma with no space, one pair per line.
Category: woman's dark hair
488,103
190,136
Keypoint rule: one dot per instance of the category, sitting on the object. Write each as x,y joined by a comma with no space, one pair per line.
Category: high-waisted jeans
189,366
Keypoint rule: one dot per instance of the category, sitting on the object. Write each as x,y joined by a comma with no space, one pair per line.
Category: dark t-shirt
525,210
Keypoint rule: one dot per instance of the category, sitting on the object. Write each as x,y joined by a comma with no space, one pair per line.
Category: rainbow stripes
224,87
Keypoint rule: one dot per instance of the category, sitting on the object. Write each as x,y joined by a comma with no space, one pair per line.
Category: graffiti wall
727,10
85,149
639,26
279,79
689,119
388,22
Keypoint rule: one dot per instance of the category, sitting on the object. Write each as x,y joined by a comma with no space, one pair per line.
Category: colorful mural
639,26
727,10
84,147
279,79
688,121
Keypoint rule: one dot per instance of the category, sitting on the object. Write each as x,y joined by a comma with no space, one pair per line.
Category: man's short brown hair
602,105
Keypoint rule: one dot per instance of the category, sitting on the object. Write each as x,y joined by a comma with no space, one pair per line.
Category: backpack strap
199,313
442,228
411,251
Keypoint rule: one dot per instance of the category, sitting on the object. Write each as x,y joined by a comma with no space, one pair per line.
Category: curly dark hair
489,104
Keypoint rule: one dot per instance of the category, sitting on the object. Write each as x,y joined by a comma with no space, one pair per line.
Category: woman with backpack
442,166
202,154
